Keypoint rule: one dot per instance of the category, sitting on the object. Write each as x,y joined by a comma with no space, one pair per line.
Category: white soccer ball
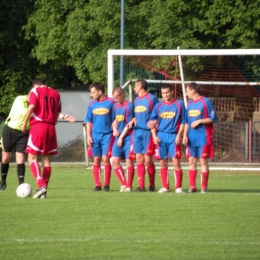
24,190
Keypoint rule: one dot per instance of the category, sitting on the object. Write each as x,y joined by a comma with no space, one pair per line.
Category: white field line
23,240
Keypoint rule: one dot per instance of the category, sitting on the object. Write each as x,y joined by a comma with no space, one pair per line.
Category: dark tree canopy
66,41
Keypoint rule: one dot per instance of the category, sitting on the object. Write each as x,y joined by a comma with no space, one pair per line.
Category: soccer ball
24,190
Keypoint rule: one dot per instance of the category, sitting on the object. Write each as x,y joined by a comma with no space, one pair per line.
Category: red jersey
47,104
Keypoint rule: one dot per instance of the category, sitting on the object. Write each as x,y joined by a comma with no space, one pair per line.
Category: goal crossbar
176,52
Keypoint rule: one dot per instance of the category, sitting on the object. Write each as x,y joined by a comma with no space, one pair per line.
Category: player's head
140,84
192,89
38,82
97,90
118,95
167,92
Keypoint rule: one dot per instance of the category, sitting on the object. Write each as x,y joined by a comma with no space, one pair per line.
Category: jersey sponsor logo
100,111
167,114
140,109
194,113
120,118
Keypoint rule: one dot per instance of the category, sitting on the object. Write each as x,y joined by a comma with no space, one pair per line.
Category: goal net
230,78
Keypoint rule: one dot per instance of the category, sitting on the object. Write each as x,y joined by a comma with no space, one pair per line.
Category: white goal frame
178,52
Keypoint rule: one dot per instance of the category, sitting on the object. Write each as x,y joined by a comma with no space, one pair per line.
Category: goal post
229,77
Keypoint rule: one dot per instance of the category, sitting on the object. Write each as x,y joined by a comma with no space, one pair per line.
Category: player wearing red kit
170,115
198,135
43,111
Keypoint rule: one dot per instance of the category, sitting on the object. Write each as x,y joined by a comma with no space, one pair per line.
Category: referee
13,139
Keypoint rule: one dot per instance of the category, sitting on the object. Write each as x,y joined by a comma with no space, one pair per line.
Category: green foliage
67,41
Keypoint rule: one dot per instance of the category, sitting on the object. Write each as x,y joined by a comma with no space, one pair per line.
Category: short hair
167,86
194,86
143,83
39,81
97,86
119,90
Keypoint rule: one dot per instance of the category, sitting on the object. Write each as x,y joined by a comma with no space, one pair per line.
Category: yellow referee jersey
16,116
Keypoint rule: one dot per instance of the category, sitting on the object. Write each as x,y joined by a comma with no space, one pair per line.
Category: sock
204,180
141,175
46,174
178,178
130,176
151,173
4,171
96,175
107,174
20,172
120,175
192,179
36,172
164,178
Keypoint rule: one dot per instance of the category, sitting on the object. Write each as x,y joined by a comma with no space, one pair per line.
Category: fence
232,143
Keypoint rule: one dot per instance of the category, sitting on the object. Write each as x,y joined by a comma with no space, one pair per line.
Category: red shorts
42,139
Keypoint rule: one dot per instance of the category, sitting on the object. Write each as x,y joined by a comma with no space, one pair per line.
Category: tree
67,41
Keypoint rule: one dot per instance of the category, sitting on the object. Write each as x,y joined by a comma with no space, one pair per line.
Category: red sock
130,176
141,175
204,180
192,179
178,178
164,178
96,175
151,173
120,175
107,174
46,174
36,172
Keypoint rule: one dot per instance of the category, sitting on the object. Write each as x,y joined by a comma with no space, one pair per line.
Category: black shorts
13,140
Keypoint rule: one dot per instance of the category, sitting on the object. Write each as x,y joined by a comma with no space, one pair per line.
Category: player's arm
203,121
122,136
114,127
27,117
185,134
178,138
153,118
156,139
88,131
67,117
132,123
152,124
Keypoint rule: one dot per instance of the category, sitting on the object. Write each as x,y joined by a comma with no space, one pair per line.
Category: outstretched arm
67,117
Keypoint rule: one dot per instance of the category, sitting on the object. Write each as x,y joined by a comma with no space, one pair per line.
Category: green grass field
74,222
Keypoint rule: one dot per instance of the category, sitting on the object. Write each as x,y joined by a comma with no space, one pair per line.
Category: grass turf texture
76,223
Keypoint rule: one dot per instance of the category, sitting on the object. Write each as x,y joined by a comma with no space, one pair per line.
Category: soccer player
43,111
14,138
123,144
170,115
198,135
98,121
143,141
